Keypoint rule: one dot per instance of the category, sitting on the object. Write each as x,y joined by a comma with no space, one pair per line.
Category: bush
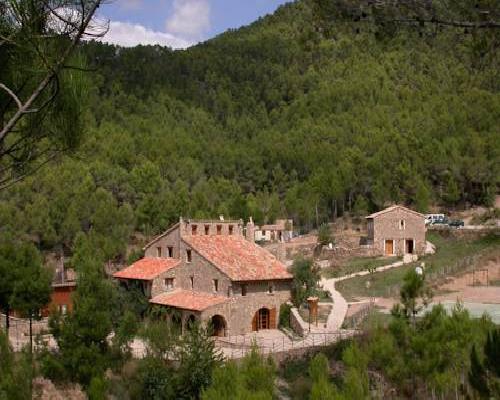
324,234
305,279
285,316
51,367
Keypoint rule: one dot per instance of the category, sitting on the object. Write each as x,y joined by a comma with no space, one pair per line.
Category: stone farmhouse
211,273
396,231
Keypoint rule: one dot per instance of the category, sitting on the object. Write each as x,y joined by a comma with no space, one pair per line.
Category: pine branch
25,108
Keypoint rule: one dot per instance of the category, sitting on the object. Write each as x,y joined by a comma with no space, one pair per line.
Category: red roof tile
238,258
147,268
188,300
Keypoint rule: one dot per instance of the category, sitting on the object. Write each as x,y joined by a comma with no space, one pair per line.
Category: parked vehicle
456,223
440,221
430,218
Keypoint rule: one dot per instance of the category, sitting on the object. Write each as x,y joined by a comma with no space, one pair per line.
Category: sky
178,23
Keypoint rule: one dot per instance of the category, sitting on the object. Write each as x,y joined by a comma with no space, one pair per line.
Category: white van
431,218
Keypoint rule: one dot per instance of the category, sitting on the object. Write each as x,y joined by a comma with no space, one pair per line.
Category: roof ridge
391,208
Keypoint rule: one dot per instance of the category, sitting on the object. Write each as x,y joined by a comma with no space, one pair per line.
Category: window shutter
254,321
272,318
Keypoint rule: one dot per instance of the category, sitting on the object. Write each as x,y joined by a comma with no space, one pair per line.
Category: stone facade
397,231
241,299
240,312
280,231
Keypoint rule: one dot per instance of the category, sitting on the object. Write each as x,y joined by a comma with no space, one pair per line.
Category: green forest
312,113
279,118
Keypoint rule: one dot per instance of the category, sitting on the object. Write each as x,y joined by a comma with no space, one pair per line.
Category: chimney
250,231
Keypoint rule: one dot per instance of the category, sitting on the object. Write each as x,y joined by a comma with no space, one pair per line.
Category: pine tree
32,288
198,359
82,335
477,374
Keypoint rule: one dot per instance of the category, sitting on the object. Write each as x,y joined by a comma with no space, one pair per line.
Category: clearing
454,257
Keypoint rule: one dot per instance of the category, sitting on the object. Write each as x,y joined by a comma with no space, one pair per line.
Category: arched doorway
190,321
176,322
218,325
262,320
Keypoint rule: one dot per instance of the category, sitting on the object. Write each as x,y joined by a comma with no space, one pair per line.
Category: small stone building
280,231
396,231
209,272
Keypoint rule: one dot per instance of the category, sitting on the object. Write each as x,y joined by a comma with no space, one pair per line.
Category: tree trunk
317,216
7,322
31,333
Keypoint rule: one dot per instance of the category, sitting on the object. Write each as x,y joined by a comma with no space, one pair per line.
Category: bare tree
41,80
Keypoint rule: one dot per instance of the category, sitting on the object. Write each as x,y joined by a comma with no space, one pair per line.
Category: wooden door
254,321
389,247
263,319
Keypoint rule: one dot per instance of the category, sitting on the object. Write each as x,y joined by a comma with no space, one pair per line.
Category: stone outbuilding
280,231
396,231
207,271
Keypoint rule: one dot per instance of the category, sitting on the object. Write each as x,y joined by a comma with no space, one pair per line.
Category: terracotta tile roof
188,300
393,208
238,258
147,268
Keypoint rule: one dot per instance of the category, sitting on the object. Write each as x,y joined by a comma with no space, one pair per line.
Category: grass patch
354,288
357,264
453,255
323,296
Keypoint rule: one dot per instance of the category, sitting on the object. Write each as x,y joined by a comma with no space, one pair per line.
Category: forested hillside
275,119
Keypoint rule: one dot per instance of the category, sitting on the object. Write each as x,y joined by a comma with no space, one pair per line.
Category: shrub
324,234
285,316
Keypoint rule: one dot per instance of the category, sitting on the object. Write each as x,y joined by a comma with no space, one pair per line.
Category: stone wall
229,227
297,323
170,239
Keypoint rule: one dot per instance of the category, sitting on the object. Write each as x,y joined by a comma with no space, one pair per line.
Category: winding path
339,309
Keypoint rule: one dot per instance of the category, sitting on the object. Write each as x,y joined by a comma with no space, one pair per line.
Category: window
230,229
170,251
207,229
219,229
270,288
194,229
191,278
63,309
169,283
188,255
402,224
216,285
263,233
243,289
158,252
